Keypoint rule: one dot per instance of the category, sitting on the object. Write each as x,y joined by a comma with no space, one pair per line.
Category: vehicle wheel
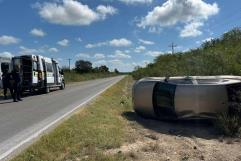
62,86
47,90
31,91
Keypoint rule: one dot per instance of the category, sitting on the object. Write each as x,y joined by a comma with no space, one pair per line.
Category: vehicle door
50,73
56,73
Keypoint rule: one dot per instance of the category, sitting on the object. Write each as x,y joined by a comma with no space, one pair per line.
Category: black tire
47,90
62,87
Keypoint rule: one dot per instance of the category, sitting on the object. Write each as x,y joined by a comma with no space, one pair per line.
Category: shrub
229,124
219,56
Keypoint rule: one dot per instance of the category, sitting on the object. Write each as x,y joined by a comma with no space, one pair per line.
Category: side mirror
61,71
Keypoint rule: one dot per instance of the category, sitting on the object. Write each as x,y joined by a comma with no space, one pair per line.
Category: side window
49,67
163,100
17,62
5,66
35,66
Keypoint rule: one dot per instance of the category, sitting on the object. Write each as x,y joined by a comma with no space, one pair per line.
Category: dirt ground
152,140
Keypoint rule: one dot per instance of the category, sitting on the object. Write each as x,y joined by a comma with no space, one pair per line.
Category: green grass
88,133
77,77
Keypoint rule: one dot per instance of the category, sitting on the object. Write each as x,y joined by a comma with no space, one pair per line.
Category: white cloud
136,1
204,40
140,49
54,50
104,11
72,12
26,51
123,42
63,42
120,65
143,63
99,63
146,42
153,53
120,55
37,32
208,39
116,62
192,30
39,50
99,56
6,54
100,44
83,55
7,40
120,42
155,30
190,12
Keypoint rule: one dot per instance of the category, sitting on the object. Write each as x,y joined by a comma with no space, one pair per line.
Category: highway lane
22,122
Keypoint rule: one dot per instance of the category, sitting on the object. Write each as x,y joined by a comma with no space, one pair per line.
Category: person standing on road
16,84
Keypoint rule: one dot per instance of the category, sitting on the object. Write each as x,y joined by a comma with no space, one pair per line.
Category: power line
173,46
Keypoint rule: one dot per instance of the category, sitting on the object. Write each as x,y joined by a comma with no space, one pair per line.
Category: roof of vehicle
214,80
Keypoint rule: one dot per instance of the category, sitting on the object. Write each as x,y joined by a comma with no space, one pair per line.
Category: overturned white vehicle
184,97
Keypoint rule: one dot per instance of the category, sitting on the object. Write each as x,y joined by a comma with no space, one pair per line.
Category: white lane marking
35,135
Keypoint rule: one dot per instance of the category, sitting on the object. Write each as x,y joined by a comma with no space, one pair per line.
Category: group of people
12,82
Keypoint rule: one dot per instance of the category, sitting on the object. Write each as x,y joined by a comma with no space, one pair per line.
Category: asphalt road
23,122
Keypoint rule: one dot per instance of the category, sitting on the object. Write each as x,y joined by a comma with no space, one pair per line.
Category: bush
216,57
83,66
229,125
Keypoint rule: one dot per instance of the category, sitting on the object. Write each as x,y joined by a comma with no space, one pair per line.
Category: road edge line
6,155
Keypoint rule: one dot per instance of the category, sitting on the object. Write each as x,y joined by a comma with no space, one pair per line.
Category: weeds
87,134
77,77
228,124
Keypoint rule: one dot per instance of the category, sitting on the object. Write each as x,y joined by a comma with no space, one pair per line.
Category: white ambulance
39,73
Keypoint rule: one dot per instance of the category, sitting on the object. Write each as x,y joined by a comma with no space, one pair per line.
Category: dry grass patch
87,134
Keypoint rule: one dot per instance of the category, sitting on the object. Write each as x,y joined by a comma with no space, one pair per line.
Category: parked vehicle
39,73
5,64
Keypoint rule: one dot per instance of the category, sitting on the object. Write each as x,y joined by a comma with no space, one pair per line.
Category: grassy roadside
76,77
88,133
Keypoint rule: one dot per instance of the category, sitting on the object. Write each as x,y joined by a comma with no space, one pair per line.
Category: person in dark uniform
16,84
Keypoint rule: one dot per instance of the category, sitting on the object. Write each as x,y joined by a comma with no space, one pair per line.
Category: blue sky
118,33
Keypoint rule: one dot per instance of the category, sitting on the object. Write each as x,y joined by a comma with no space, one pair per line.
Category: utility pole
69,64
173,46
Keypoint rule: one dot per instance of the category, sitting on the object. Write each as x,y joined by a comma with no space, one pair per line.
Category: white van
51,74
38,72
5,64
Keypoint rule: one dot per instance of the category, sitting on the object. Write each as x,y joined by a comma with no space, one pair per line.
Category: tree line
84,66
220,56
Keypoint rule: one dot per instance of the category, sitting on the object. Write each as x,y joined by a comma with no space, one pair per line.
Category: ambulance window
5,66
17,62
35,66
49,67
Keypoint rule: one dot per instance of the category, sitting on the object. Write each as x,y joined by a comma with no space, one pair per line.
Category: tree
83,66
116,71
103,69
